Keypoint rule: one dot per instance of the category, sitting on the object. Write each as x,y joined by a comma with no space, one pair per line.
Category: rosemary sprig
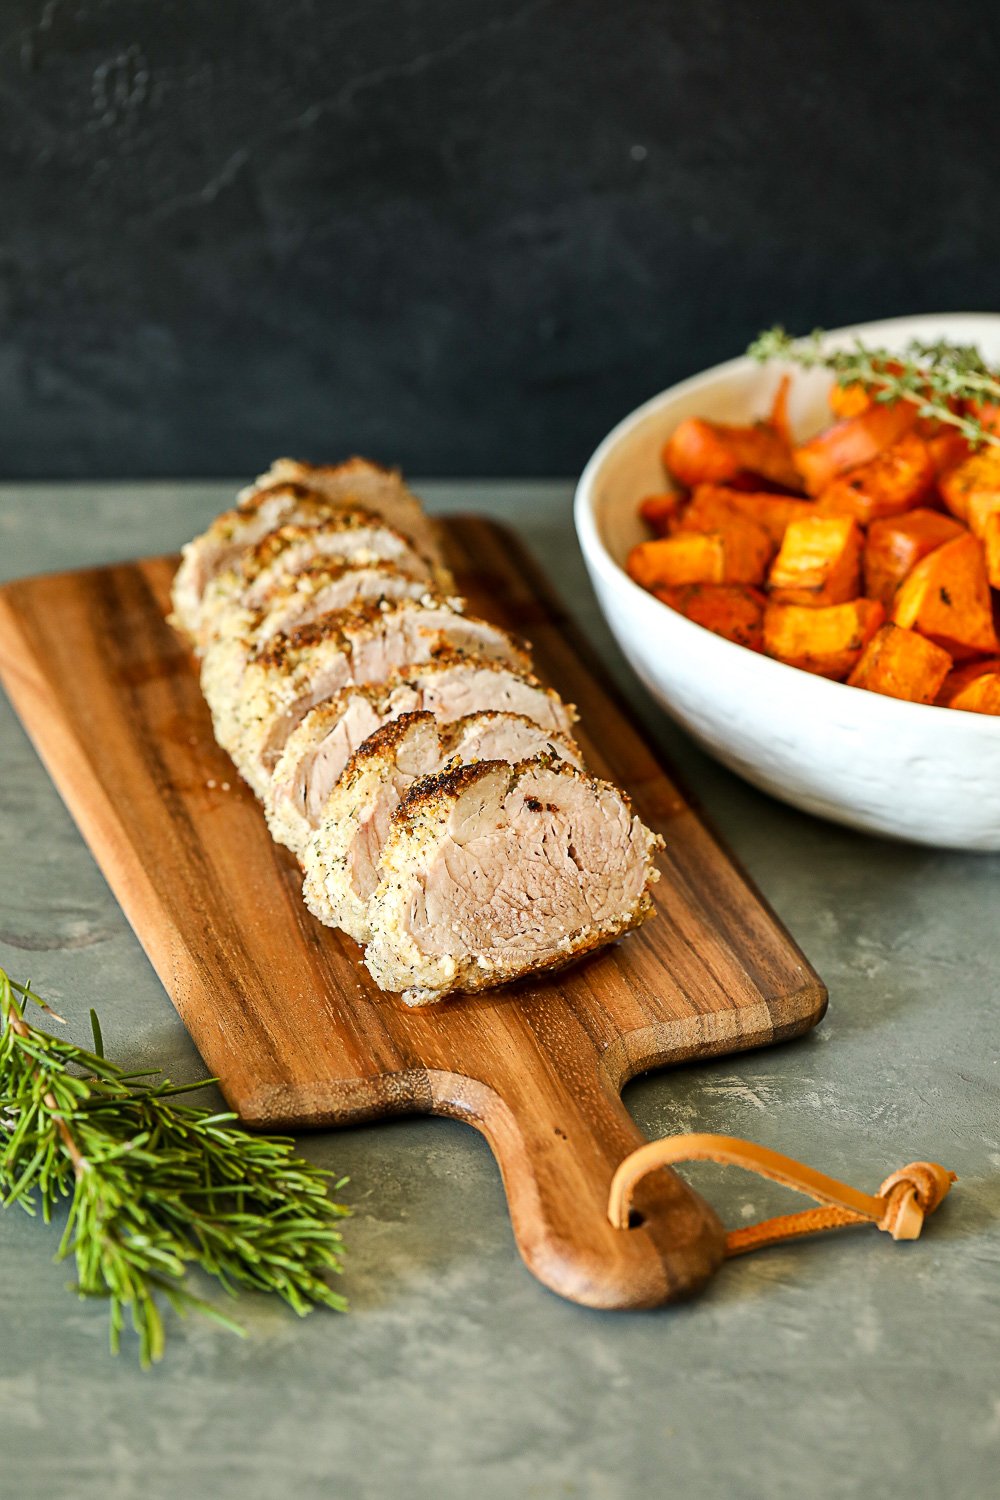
938,376
154,1186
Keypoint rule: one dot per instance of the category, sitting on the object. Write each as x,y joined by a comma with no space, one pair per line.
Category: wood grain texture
282,1009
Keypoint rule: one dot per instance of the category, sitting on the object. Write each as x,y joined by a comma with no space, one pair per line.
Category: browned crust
388,737
333,518
449,784
279,487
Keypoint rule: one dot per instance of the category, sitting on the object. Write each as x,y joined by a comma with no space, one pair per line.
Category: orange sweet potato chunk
946,597
712,505
734,553
848,401
894,481
971,490
853,442
975,688
661,510
901,664
947,449
991,546
702,452
827,641
895,545
730,610
819,562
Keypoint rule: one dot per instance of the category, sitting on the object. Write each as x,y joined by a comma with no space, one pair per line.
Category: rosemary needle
949,382
154,1186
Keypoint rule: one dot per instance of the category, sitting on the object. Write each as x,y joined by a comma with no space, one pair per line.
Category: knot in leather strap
899,1207
909,1195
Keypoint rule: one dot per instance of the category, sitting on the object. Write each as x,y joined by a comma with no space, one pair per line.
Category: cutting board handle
558,1134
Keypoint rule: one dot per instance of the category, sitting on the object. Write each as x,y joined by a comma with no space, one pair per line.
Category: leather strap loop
899,1207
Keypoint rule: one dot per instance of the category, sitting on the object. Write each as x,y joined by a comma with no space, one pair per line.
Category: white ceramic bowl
912,771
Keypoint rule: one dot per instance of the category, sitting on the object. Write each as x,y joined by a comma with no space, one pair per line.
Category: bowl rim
598,555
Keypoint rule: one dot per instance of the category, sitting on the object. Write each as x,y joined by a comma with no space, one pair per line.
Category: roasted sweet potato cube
894,481
848,444
895,545
985,412
976,688
947,449
702,452
827,641
848,401
991,547
819,562
735,553
947,598
901,664
712,506
731,610
660,511
852,399
971,490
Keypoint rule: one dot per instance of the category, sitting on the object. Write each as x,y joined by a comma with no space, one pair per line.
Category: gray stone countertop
845,1366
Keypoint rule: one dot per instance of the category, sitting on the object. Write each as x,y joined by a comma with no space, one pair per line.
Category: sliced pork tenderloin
230,534
452,686
345,536
294,672
323,586
298,492
341,857
359,481
492,872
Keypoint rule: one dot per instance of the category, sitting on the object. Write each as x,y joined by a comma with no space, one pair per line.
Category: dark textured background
460,235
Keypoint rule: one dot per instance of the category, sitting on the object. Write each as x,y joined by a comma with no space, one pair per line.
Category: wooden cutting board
282,1009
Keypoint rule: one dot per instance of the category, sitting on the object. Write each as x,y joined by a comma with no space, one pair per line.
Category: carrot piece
976,688
661,510
947,598
713,506
853,442
895,545
701,452
901,664
737,552
827,641
730,610
971,490
895,480
819,562
991,546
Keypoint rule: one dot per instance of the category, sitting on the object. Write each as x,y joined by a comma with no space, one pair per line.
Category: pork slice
294,672
324,585
451,687
346,536
341,857
376,488
230,534
493,872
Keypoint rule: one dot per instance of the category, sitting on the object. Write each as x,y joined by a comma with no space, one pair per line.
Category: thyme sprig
154,1186
943,379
